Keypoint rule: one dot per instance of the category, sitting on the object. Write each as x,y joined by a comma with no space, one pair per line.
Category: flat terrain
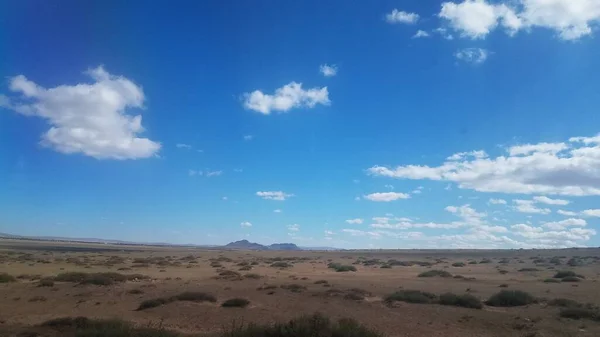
281,285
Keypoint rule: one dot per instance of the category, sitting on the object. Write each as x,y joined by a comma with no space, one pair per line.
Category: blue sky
387,124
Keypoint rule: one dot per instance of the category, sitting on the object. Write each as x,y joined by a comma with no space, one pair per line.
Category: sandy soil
174,270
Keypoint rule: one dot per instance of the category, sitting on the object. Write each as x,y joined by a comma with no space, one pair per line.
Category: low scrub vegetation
103,279
340,267
294,287
564,273
434,273
580,313
6,278
410,296
281,264
458,264
235,302
190,296
85,327
252,276
46,282
551,280
528,269
571,279
466,300
510,298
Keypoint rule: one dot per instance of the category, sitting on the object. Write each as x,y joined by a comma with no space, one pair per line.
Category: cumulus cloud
592,212
548,201
328,70
420,34
566,213
497,201
560,225
293,228
386,196
183,146
528,206
273,195
88,118
246,224
356,221
397,16
571,19
472,55
574,171
289,96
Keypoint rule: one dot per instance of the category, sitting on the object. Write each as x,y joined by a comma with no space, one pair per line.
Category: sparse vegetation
564,273
280,264
135,291
571,279
458,264
295,288
190,296
434,273
510,298
528,269
410,296
466,300
551,280
236,302
580,313
6,278
85,327
46,282
103,279
252,276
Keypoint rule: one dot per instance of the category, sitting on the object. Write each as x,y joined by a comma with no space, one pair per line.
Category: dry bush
528,269
236,302
510,298
293,287
551,280
410,296
434,273
252,276
46,282
465,301
580,313
458,264
6,278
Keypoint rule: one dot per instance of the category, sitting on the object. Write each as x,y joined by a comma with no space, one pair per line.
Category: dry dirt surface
53,280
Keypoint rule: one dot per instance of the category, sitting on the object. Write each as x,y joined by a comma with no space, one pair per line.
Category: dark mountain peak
245,244
284,246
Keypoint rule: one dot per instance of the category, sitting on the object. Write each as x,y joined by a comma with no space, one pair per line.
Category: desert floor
24,303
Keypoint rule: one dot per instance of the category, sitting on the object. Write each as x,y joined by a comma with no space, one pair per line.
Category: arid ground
53,280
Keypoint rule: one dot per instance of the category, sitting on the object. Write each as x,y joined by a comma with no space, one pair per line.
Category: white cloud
193,173
356,198
248,137
328,70
541,147
463,155
571,19
397,16
329,233
356,232
213,173
527,206
591,212
560,225
497,201
274,195
356,221
246,224
476,18
420,34
444,33
472,55
285,98
293,228
574,171
567,213
386,196
91,119
548,201
183,146
277,211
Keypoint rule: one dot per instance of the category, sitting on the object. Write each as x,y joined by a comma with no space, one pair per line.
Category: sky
348,124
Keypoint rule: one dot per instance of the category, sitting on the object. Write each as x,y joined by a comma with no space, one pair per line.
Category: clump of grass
510,298
313,325
235,302
503,285
38,299
230,275
46,282
385,266
245,268
252,276
565,303
135,291
434,273
580,313
280,264
6,278
185,296
551,280
465,301
485,261
82,326
107,278
410,296
267,287
345,268
458,264
571,279
528,269
564,273
294,287
321,282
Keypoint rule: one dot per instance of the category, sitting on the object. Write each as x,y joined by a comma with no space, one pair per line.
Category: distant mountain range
240,245
247,245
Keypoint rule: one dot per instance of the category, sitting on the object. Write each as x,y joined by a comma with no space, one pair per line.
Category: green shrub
245,268
485,261
236,302
410,296
571,279
472,262
564,273
6,278
385,266
458,264
135,291
152,303
565,303
434,273
195,296
85,327
528,269
510,298
321,282
345,268
466,300
71,277
252,276
551,280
